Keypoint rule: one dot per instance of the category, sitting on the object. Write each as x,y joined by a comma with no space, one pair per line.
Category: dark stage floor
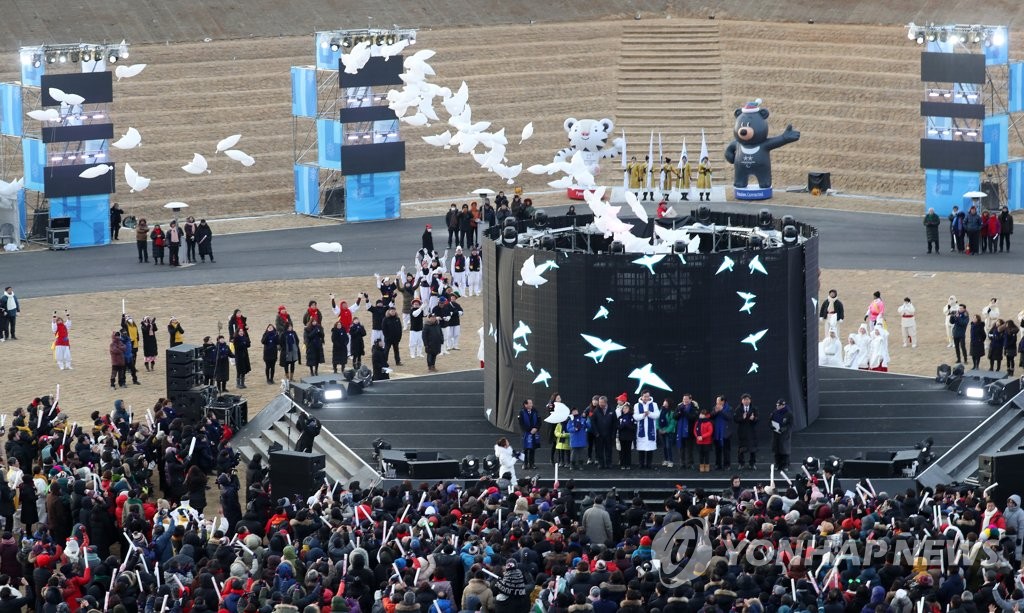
860,412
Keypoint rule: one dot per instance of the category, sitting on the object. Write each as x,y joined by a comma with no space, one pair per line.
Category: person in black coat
745,417
229,504
195,486
208,352
1010,332
451,220
204,239
391,327
309,427
357,334
290,350
242,364
433,340
379,358
339,347
978,337
603,422
314,339
996,339
271,345
222,363
427,240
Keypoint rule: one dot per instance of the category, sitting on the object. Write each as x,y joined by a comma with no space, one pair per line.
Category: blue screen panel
998,54
303,91
325,58
328,137
10,110
90,218
995,134
22,214
1015,185
31,75
372,197
34,158
1015,103
307,189
946,188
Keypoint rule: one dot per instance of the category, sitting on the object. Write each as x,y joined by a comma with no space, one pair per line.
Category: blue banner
307,189
946,188
325,58
303,91
328,137
1015,185
33,153
90,218
31,75
10,109
996,136
372,197
999,51
1015,103
22,214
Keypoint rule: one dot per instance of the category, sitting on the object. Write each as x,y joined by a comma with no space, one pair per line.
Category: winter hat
792,517
622,397
645,541
967,596
752,107
428,226
601,565
900,594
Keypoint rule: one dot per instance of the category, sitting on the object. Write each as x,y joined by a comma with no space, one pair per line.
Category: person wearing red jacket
703,433
992,233
74,588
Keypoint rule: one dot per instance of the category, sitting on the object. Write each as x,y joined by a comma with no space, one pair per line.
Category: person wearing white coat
949,309
506,458
863,340
851,352
990,313
646,414
879,349
908,323
830,350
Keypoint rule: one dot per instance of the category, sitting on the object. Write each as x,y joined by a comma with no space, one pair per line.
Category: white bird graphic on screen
645,376
752,339
601,347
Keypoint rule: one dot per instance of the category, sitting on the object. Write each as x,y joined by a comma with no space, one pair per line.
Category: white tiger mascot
591,137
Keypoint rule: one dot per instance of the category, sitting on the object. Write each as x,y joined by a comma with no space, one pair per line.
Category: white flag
682,154
703,146
650,161
625,170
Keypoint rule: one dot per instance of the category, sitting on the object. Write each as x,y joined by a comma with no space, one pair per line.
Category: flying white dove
564,183
559,413
509,173
602,313
61,96
609,299
228,143
417,62
494,139
610,225
670,236
95,171
601,347
419,119
443,139
457,101
522,331
426,108
649,261
636,207
529,367
727,264
197,166
756,265
753,368
127,72
748,308
543,377
134,180
530,274
518,349
645,376
752,339
746,296
527,133
12,188
389,51
130,140
47,115
546,169
240,156
354,60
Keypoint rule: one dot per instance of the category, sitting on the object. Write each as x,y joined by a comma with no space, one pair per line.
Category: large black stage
860,412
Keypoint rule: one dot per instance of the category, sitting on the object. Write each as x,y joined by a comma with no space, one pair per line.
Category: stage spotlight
976,37
540,219
378,446
490,466
333,391
942,373
37,61
470,467
679,247
74,56
617,247
811,464
919,37
112,58
547,243
974,392
932,36
704,214
998,38
755,242
788,220
790,235
346,42
86,55
943,36
335,44
509,222
765,219
954,38
509,237
62,58
832,464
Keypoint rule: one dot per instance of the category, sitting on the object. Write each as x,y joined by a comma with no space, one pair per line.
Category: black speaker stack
334,202
296,473
1005,468
185,382
820,180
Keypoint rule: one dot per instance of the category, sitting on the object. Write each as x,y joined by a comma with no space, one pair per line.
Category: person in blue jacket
578,427
959,321
721,416
529,425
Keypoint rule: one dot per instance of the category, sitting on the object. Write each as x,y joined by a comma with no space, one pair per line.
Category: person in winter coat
291,351
931,230
222,363
357,342
597,522
271,345
529,426
195,487
313,337
1005,228
996,341
142,240
243,366
577,426
237,322
977,341
746,431
116,351
229,504
703,434
204,240
433,341
972,227
339,346
208,351
159,241
667,432
379,358
646,414
427,240
1010,332
175,332
391,328
626,431
686,413
150,349
282,320
782,426
721,413
478,588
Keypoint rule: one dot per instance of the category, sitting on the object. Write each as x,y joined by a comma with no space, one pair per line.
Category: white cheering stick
106,602
472,526
394,565
416,577
437,607
771,480
871,487
806,473
924,501
792,586
406,511
181,588
163,605
831,484
430,532
400,548
556,475
156,573
985,491
814,584
500,509
138,577
487,572
718,508
788,481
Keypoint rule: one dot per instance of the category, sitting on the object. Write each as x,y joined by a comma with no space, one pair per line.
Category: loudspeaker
1005,468
60,223
295,473
820,180
1000,392
182,354
334,202
40,223
433,469
872,469
231,410
994,195
184,370
190,403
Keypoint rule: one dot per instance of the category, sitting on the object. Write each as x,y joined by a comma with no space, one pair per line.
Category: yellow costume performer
636,176
668,175
704,179
684,177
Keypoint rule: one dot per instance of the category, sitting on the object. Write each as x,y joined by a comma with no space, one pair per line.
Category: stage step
1002,431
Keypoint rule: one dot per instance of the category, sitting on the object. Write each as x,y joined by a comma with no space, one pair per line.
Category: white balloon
354,60
389,51
130,140
228,143
527,132
197,166
47,115
422,55
457,101
127,72
12,188
419,119
73,99
240,156
563,183
635,206
327,247
439,140
134,180
57,94
95,171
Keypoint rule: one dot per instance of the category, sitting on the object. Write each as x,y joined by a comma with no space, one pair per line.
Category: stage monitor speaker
295,473
60,223
40,223
433,469
334,202
397,459
1005,468
993,198
231,410
822,181
190,404
871,469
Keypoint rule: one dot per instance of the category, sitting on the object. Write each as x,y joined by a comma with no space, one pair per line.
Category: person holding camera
61,340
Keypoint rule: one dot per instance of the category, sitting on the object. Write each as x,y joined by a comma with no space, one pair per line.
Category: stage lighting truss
342,40
957,34
73,53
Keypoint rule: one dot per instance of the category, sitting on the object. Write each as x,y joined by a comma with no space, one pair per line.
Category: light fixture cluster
957,34
73,54
961,133
336,40
950,95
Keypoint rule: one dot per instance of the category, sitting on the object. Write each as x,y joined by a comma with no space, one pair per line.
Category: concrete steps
1003,430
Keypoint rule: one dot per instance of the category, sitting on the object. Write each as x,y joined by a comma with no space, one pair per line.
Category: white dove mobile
752,339
530,273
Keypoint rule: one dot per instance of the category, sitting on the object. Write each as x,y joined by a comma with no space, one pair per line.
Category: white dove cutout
649,261
645,376
527,133
389,51
426,107
417,62
530,273
559,413
228,143
632,243
727,264
753,368
752,339
671,236
130,140
240,156
95,171
134,180
494,139
457,101
545,169
443,139
197,166
636,207
47,115
354,60
543,377
601,347
509,173
522,331
12,188
127,72
755,265
611,226
602,313
518,349
529,367
61,96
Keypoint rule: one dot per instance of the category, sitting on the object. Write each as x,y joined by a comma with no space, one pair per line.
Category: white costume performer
830,350
506,460
416,330
949,309
61,345
476,272
459,266
863,340
879,348
647,428
908,324
990,313
851,352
